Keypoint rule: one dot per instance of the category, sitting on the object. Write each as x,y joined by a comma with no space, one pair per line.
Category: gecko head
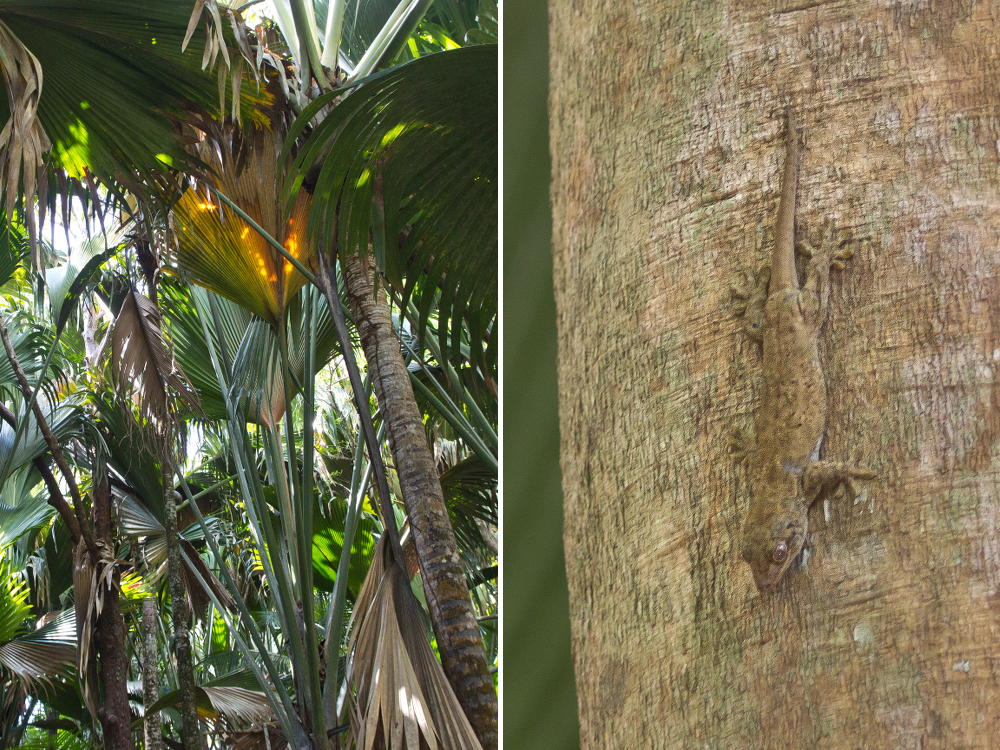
770,547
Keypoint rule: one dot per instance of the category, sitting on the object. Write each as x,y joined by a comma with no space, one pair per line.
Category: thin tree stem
50,440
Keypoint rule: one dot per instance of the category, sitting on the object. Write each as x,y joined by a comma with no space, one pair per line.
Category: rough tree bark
666,135
452,616
110,635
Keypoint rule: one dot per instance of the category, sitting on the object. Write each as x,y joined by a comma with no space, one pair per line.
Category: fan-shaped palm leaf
138,521
253,345
236,696
106,82
31,344
328,543
413,154
469,489
67,281
33,656
220,251
65,421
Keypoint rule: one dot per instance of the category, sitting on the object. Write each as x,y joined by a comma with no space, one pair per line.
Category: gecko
788,476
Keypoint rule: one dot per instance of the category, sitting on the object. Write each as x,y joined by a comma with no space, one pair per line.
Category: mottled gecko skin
788,476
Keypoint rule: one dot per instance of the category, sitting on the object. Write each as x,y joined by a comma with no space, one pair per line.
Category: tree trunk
110,635
668,138
190,729
150,675
455,627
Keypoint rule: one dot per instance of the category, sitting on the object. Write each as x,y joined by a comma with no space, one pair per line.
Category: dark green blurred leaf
410,161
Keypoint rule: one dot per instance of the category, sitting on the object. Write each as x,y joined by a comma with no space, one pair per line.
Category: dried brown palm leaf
262,737
141,361
23,139
84,594
399,683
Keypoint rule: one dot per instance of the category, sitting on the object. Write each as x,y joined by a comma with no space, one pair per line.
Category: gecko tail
783,275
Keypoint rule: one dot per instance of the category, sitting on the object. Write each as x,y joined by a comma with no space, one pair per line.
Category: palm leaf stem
304,493
401,32
327,281
332,36
305,28
292,487
274,690
206,491
335,623
469,402
254,502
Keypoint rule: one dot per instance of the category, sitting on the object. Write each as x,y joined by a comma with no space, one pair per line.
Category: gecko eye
780,552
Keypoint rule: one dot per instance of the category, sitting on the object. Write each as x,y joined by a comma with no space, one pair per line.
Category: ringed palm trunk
150,675
453,618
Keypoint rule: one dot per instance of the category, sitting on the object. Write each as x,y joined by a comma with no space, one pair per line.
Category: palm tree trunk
455,627
109,635
190,730
150,674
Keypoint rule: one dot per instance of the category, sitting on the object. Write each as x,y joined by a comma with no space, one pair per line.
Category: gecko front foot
749,298
832,251
823,478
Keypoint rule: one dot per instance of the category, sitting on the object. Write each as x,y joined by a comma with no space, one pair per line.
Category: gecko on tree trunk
788,476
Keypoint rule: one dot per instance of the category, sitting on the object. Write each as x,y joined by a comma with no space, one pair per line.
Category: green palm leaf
411,157
21,509
65,421
114,83
33,656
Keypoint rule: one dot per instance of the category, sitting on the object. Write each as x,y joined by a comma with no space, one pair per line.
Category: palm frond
469,489
106,84
141,361
13,248
35,657
410,160
399,682
65,421
218,250
327,547
30,511
67,282
236,696
138,521
14,606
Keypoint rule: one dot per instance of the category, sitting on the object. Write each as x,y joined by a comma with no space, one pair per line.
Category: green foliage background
539,697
